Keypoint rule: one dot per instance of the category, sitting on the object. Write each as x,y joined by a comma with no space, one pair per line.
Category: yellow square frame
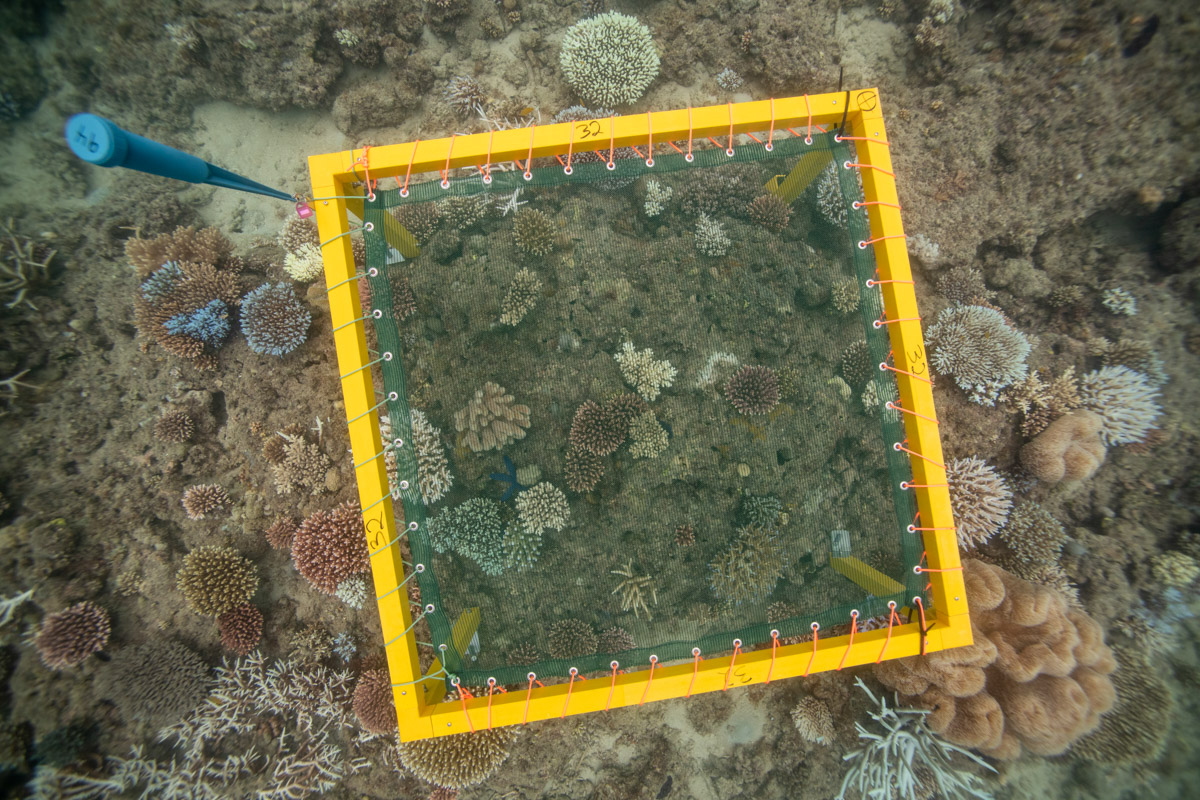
420,708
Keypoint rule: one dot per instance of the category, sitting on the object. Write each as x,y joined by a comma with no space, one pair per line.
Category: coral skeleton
903,757
980,349
9,605
633,591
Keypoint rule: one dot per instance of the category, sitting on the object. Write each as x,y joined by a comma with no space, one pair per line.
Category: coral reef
1069,449
203,500
770,212
241,628
353,591
1041,403
273,319
330,546
609,59
24,265
729,80
980,499
533,232
174,426
280,533
583,469
298,233
829,198
472,529
855,364
157,682
1034,536
571,638
963,284
639,369
521,297
1124,399
1175,569
373,705
753,390
1035,678
711,239
465,95
311,644
68,637
761,510
521,547
404,302
615,640
542,506
419,219
301,466
597,429
216,579
633,590
813,720
434,478
647,437
749,569
685,535
1119,301
845,296
491,419
980,349
460,213
459,761
657,196
1135,731
183,245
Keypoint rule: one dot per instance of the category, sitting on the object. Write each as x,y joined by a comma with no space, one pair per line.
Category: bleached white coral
1120,301
979,498
813,720
305,264
707,375
609,59
542,506
433,470
1124,399
353,591
641,371
657,196
979,347
729,80
710,236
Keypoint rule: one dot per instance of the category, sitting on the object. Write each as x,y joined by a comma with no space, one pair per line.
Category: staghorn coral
769,212
174,426
1069,449
542,506
373,704
634,589
571,638
491,419
639,369
216,579
474,530
749,569
280,533
434,478
1174,568
685,535
583,469
302,466
344,646
68,637
1135,731
330,546
157,682
203,500
980,349
980,499
1034,536
615,640
1035,678
753,390
521,297
241,628
273,319
465,95
711,239
647,437
1041,403
609,59
597,429
1124,399
456,762
533,232
814,721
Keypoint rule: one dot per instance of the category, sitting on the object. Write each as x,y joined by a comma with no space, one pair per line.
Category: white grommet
774,633
882,366
904,488
445,184
404,484
442,647
568,170
573,672
877,324
611,165
737,642
689,158
487,180
808,140
412,526
653,659
816,626
770,147
862,245
377,313
854,613
419,568
846,164
393,396
911,528
387,356
649,162
614,664
897,447
370,226
695,651
531,677
371,197
837,137
892,605
373,272
855,205
917,569
397,443
404,192
729,152
429,608
527,176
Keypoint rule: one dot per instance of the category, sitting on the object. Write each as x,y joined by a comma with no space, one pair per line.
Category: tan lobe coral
1069,449
491,419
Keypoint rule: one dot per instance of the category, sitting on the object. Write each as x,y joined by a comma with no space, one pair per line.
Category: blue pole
101,142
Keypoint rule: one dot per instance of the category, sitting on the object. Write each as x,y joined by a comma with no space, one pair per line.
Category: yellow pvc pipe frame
421,711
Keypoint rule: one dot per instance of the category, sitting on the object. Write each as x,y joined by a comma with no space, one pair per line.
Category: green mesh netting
817,474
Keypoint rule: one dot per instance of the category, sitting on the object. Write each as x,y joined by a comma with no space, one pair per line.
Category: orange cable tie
677,149
634,148
921,607
528,174
755,138
529,694
774,649
491,689
771,131
855,165
570,149
487,165
695,670
816,627
898,447
446,171
689,155
893,618
849,644
729,149
612,141
463,694
365,160
884,365
808,106
885,321
897,407
612,686
649,141
856,205
570,686
653,663
408,172
714,141
872,283
737,648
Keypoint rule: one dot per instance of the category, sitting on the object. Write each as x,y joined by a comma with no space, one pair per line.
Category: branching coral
1042,402
571,638
641,371
216,579
279,534
583,469
1034,536
634,590
241,628
609,59
647,437
521,297
353,591
980,348
533,232
615,640
855,364
542,506
770,212
373,704
458,761
1035,678
711,239
521,547
1069,449
24,265
273,319
491,419
298,233
748,571
465,95
67,637
813,720
434,478
174,426
597,429
1175,568
330,546
472,529
305,264
301,466
979,498
1125,400
203,500
753,390
157,682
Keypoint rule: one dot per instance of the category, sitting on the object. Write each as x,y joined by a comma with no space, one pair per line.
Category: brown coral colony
753,390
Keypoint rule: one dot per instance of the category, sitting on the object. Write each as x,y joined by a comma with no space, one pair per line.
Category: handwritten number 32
589,129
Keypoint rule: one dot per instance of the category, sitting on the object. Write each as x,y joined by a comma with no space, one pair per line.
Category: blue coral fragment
209,324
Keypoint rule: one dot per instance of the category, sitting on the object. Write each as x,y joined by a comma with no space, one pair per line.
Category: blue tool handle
101,142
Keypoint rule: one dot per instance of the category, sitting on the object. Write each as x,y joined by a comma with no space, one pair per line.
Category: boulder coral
1035,679
1069,449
